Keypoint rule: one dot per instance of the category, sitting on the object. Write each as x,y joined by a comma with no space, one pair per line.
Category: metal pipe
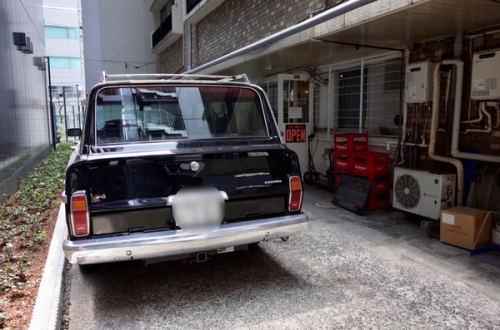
422,145
52,113
477,120
489,125
361,94
425,125
343,43
448,85
189,47
389,143
435,122
456,121
401,102
318,19
65,114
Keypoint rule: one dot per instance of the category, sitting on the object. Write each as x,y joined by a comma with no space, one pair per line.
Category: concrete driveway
345,272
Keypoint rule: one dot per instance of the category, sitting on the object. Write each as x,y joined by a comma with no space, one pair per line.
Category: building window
64,62
166,11
190,4
376,110
349,98
165,24
59,32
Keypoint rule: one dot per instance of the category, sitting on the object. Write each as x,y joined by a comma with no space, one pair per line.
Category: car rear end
145,145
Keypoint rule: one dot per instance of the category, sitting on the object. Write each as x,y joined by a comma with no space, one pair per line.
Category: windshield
142,113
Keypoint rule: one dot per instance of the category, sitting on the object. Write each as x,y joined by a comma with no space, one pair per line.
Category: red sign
295,133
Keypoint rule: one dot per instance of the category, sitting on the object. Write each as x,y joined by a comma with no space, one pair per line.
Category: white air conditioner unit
486,76
422,192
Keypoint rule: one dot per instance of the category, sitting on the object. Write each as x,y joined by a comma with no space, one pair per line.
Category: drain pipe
489,126
435,122
338,10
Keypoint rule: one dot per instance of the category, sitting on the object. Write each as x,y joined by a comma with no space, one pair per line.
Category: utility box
462,226
419,82
486,76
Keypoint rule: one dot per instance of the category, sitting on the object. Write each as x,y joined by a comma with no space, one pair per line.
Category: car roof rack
161,76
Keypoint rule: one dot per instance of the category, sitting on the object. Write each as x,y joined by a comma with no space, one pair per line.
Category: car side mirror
74,131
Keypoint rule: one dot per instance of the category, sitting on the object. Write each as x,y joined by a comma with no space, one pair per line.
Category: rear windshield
127,114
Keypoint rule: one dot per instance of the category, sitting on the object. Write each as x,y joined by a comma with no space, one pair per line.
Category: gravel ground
344,272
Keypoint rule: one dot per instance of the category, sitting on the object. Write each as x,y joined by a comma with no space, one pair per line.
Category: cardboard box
460,226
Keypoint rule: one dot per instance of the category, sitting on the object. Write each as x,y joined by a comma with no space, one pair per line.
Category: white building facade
116,36
64,45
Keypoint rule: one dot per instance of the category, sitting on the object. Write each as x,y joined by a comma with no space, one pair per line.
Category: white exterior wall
125,35
63,47
118,38
64,13
56,16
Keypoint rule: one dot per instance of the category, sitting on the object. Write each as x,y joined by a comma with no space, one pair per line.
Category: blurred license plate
226,249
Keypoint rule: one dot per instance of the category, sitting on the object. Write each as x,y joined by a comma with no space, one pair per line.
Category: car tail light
79,214
295,194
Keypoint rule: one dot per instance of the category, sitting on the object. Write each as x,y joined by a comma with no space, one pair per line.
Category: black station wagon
178,166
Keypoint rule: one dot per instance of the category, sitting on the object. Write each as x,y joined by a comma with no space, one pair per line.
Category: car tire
252,246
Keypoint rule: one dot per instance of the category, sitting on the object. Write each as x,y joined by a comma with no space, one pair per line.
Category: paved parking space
346,271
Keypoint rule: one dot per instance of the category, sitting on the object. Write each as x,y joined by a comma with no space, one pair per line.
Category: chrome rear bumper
170,243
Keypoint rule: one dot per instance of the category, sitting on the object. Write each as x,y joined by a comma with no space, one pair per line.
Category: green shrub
22,217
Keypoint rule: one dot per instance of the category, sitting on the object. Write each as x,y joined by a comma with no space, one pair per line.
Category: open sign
295,133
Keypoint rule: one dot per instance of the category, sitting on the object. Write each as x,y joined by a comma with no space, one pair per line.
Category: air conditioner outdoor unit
486,76
422,192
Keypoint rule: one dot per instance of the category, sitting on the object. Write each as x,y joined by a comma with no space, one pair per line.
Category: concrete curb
46,313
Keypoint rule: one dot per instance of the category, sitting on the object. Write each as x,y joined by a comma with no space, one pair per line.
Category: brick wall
172,59
486,143
235,24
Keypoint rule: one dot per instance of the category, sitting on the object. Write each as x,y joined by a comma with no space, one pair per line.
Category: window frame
94,130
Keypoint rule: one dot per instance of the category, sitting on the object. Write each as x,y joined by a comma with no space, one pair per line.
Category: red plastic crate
377,201
369,163
350,142
380,182
343,161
